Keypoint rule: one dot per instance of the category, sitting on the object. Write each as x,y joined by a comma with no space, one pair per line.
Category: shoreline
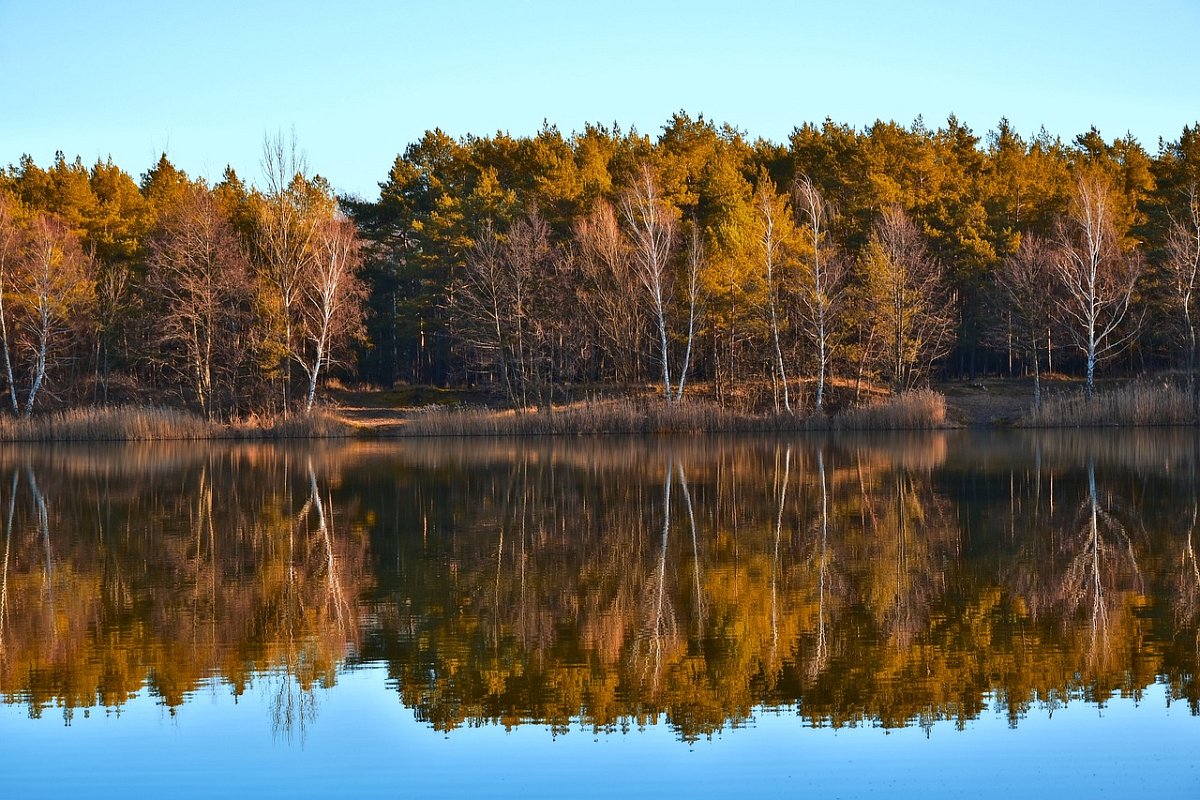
950,407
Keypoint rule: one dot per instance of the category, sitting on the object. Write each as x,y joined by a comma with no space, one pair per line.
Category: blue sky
358,81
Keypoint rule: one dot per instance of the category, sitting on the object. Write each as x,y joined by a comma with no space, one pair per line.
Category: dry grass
591,417
140,423
914,410
919,409
316,424
1135,404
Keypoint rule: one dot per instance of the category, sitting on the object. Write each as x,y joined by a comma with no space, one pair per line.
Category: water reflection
611,583
222,564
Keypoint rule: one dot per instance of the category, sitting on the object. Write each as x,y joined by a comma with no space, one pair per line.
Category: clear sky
358,81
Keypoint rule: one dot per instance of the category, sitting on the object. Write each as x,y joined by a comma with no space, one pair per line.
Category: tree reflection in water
170,574
607,583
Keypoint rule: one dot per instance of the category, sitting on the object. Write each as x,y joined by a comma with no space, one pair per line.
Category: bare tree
10,248
608,281
513,314
199,279
332,299
909,294
1024,278
287,214
481,298
1183,269
528,257
1097,275
651,229
822,275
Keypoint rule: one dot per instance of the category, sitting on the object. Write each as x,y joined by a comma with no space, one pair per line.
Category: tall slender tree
1097,272
650,224
54,285
775,256
821,276
284,239
332,299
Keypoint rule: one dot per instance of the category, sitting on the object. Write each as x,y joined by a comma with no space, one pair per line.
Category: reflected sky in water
366,746
1005,612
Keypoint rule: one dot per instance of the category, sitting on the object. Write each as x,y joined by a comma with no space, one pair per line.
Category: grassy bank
917,410
920,410
1133,405
591,417
139,423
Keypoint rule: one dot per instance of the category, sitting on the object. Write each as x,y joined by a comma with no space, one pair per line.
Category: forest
788,277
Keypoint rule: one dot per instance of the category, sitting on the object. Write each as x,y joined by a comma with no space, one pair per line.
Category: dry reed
591,417
914,410
141,423
918,409
1135,404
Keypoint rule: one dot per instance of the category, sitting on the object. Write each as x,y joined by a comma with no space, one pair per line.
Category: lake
959,613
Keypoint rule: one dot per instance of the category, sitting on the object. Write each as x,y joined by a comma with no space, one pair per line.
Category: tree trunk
39,369
1091,364
1037,377
660,312
8,371
787,405
822,357
316,369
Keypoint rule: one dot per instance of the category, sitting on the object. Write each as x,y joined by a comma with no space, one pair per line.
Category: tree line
226,299
791,275
845,257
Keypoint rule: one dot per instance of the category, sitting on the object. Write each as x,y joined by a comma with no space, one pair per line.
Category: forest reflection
610,583
165,568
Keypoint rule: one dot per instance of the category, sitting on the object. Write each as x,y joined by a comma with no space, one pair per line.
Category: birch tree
332,299
650,224
821,276
775,239
1096,273
286,217
695,298
53,286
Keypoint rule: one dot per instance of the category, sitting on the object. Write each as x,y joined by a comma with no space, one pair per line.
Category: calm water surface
946,615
